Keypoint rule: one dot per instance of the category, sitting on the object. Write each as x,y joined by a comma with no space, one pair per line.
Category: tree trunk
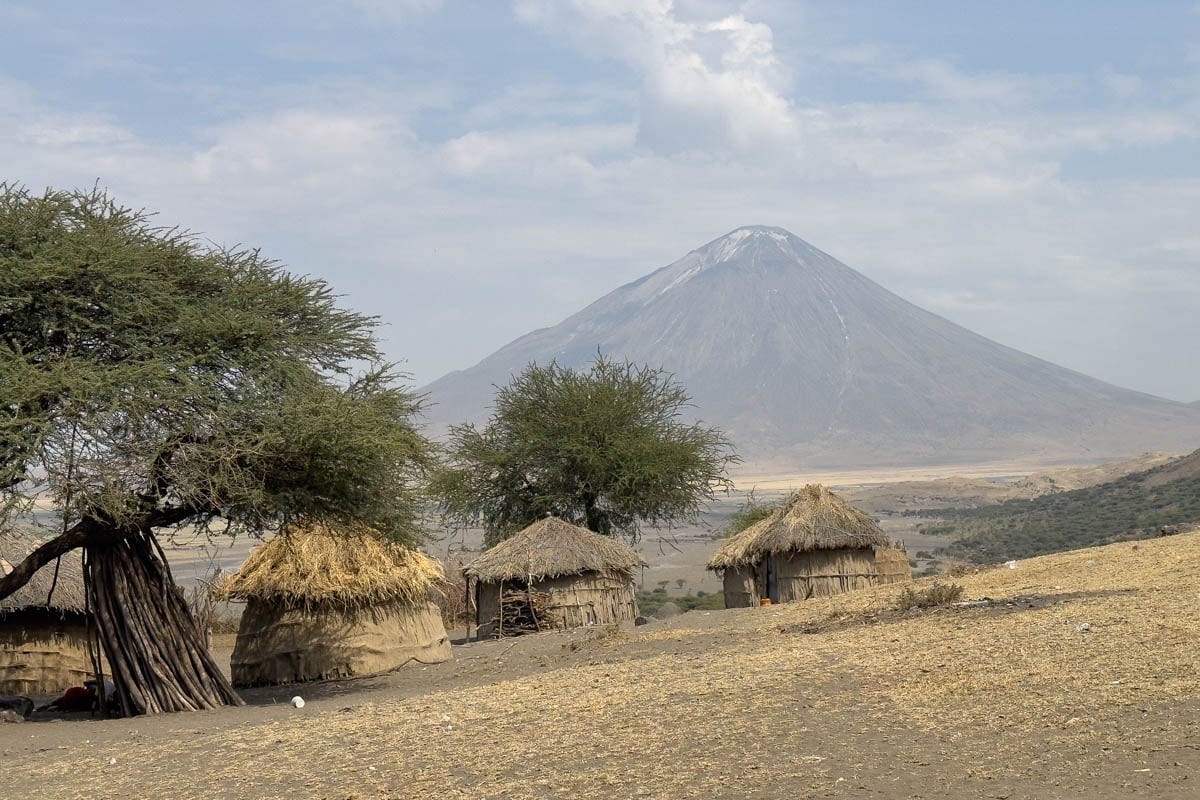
156,654
593,517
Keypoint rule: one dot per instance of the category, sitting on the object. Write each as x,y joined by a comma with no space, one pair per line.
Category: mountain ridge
803,360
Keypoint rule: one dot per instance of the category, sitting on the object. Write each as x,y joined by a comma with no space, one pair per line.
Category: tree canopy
606,448
749,512
147,380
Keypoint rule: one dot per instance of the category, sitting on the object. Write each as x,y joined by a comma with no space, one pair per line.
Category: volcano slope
804,361
1081,681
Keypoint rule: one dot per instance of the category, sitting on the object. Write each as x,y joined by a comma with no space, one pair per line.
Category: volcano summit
806,363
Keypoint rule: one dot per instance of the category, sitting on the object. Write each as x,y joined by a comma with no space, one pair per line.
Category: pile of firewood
524,612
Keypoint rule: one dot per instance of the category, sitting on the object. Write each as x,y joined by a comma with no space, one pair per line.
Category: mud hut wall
740,587
43,655
592,598
821,573
891,565
281,644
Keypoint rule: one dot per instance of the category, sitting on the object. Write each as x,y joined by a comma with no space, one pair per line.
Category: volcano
806,363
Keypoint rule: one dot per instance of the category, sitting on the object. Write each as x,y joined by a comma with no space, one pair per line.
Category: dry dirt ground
1082,681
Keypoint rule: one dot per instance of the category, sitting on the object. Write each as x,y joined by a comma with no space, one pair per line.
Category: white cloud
294,142
1181,245
534,148
706,84
1122,86
543,102
949,83
948,301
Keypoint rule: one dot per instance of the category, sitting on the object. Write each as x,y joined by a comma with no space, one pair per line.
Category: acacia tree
605,448
148,382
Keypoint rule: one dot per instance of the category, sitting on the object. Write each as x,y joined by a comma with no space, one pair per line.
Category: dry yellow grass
957,703
350,568
550,548
811,518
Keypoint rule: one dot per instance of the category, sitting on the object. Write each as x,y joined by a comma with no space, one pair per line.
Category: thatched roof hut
322,604
552,574
815,544
43,625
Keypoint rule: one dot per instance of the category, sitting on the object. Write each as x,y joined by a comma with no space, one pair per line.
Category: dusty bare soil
1085,685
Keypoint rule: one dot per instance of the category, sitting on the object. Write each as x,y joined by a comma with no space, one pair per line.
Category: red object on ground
76,698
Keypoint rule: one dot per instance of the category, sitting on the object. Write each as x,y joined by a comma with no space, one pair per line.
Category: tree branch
85,532
80,534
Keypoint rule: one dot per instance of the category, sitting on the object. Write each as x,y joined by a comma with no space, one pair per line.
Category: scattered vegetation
750,511
940,594
649,602
202,601
1132,507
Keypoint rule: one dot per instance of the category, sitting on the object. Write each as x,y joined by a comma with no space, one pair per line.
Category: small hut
551,575
323,604
43,625
814,545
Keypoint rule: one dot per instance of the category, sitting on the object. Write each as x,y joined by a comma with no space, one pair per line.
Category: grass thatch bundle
549,548
812,518
346,568
67,594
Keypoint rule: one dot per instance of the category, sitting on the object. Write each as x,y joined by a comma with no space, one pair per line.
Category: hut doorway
772,578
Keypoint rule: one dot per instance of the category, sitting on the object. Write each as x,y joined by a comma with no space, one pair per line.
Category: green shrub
649,602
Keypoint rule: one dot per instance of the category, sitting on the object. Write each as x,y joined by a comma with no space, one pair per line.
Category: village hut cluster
43,626
552,575
322,603
814,545
334,604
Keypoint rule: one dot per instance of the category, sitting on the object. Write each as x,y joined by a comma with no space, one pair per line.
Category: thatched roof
320,566
68,591
813,518
549,548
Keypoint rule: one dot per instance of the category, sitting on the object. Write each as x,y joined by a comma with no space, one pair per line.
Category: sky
470,171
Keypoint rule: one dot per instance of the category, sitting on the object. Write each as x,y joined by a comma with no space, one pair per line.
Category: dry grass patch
321,566
939,594
813,714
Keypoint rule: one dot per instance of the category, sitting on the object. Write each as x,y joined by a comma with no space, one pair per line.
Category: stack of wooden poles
523,611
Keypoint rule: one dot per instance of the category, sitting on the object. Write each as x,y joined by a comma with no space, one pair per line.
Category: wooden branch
157,655
90,532
78,535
